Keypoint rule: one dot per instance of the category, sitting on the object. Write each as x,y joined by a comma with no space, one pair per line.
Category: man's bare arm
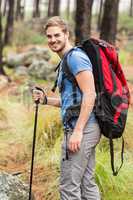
40,95
86,83
54,101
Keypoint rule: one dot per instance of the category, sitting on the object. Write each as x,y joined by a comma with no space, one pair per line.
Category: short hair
56,21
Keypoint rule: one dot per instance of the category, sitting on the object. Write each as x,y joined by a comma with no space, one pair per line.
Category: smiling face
57,39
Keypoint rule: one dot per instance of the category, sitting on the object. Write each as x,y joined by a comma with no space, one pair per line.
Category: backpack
112,101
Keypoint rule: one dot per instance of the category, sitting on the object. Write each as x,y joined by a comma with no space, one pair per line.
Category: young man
82,132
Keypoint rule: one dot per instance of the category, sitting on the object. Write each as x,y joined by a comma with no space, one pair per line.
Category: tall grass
20,122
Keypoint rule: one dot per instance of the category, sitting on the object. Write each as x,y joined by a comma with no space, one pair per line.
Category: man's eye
57,35
48,36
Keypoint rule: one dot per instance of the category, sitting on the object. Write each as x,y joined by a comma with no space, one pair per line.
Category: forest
26,61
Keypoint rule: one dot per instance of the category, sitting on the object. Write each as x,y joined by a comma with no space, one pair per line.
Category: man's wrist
76,129
45,100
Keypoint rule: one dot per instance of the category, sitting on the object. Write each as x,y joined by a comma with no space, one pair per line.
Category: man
82,132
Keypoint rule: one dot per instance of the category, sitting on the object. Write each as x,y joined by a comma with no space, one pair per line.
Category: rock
27,58
42,69
3,81
21,71
11,188
36,24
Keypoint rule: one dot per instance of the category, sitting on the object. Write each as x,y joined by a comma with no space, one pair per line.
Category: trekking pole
33,147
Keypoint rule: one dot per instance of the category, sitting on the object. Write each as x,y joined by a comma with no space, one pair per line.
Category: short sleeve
78,61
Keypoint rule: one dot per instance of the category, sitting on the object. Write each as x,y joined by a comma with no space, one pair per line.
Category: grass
20,121
125,21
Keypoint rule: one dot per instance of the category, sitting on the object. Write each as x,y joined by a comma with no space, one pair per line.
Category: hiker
81,129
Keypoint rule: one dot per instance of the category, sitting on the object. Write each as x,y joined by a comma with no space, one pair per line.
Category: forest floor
14,157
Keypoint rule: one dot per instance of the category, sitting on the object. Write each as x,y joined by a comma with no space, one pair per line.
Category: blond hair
56,21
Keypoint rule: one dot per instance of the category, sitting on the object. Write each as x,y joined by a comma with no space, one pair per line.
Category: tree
68,9
53,8
56,8
36,9
18,10
83,19
10,22
100,15
1,44
109,21
5,7
20,6
131,8
50,8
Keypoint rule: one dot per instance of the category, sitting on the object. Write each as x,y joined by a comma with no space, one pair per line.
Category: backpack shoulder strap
68,74
66,70
56,79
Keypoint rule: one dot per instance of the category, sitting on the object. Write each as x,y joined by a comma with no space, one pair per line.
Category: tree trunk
5,8
68,9
100,15
131,9
50,8
56,8
23,10
1,44
9,25
83,19
18,10
109,21
36,10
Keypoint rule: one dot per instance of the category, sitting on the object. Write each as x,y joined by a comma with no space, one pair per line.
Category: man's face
56,38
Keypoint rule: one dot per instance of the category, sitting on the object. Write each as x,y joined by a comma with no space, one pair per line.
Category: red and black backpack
112,102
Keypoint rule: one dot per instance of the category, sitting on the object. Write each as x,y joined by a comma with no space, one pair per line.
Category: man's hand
39,95
75,141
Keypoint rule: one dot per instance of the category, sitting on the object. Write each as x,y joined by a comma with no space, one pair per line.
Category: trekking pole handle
45,98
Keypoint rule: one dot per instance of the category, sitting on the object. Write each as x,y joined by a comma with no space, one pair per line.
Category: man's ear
67,33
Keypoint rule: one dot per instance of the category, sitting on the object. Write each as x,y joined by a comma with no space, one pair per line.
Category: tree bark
1,44
50,8
131,8
68,9
10,22
36,9
83,19
18,10
23,10
56,8
100,15
5,8
109,21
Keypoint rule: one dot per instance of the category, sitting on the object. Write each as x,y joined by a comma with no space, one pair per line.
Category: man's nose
53,39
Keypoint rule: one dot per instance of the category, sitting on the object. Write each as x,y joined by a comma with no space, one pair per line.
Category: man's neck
65,50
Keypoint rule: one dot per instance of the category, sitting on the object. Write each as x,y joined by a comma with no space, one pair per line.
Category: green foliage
125,22
49,127
129,48
119,187
125,58
25,36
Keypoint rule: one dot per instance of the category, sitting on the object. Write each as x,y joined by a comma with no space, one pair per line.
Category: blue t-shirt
77,61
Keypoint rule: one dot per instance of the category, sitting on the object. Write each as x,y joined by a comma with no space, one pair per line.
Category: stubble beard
60,49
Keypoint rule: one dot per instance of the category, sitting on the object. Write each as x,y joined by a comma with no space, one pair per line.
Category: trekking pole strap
115,171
